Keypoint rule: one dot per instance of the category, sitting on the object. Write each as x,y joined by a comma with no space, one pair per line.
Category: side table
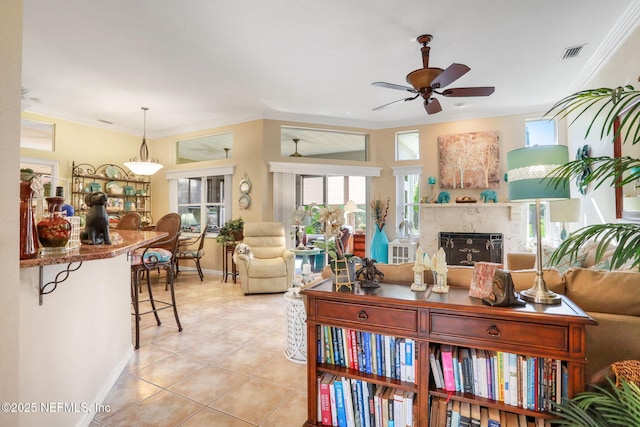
227,261
305,254
296,328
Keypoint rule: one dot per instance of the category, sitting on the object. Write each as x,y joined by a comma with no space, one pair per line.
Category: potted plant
611,406
607,106
230,232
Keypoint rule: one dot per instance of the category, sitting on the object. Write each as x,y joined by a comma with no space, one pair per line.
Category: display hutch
126,191
431,321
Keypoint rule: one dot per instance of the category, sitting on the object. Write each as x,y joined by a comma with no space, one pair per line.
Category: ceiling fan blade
394,86
451,74
395,102
469,91
432,106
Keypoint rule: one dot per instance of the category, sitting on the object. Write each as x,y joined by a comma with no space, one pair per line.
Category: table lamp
565,211
529,177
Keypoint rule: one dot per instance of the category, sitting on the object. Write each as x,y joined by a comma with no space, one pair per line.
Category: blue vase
380,246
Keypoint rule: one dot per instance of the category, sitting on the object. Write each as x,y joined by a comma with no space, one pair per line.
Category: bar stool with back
160,254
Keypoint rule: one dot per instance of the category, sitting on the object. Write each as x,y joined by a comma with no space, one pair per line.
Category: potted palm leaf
601,407
606,107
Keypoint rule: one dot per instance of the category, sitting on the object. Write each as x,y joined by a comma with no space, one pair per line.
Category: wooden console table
430,321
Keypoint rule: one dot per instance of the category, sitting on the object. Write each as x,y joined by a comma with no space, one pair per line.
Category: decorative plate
245,186
111,184
112,172
245,201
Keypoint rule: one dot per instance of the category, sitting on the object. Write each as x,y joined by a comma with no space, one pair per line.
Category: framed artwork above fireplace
469,160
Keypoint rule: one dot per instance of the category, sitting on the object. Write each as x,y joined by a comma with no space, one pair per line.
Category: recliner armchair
271,266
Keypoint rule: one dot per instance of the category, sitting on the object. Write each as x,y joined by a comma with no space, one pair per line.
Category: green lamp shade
529,172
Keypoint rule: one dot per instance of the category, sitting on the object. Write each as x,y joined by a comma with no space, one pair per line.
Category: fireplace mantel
510,219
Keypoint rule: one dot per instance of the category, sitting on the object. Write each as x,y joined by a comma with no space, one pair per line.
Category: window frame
227,205
401,206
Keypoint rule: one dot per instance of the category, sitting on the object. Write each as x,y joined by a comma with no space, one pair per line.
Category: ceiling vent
572,52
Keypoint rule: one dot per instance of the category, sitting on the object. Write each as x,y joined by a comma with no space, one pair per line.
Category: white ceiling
203,63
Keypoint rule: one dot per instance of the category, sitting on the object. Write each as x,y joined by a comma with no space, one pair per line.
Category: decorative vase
380,246
28,234
54,230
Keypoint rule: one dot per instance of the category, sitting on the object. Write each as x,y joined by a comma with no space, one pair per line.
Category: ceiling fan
427,81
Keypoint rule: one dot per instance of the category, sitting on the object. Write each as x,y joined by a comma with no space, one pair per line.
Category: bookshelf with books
391,342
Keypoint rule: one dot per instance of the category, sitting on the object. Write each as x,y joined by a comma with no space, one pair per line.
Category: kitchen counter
123,241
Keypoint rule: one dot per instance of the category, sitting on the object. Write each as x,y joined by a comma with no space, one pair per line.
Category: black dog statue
96,229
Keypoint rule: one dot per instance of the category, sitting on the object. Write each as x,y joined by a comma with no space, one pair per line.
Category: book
474,367
484,417
388,402
465,414
325,398
494,418
332,399
408,408
367,352
455,413
475,415
371,390
446,355
467,370
513,379
456,368
512,419
439,382
434,411
449,413
341,412
442,416
409,347
398,408
377,398
348,402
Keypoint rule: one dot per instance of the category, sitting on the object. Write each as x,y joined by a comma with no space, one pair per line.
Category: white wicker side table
296,328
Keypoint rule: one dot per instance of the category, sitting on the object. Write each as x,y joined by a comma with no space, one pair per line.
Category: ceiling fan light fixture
143,164
422,77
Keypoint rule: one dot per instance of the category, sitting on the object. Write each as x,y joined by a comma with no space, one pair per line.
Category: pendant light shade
143,164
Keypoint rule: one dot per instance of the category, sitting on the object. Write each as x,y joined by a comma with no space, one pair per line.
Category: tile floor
225,369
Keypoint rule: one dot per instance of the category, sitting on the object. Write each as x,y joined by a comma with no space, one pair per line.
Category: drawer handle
362,315
493,331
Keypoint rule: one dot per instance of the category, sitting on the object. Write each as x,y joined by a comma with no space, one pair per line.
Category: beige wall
256,143
598,205
10,64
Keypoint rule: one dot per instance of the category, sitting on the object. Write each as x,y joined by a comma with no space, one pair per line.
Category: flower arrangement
333,219
379,212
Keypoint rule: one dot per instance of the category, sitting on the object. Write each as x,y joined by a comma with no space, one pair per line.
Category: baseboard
106,388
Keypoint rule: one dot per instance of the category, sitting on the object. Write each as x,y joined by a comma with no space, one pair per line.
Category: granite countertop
123,241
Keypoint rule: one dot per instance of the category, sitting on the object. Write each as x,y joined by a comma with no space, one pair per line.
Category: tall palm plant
605,106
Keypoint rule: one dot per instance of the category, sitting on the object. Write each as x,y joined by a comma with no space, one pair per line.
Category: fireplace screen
468,248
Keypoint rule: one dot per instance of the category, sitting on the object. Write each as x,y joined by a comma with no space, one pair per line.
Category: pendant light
143,164
296,154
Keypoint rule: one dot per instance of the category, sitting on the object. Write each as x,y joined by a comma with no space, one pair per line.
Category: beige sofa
612,298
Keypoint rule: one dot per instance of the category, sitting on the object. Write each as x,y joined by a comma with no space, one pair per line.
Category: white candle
306,268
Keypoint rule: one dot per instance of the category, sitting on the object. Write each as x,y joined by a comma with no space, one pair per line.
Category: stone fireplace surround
510,219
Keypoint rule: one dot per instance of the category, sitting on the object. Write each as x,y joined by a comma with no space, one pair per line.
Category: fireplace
507,219
469,248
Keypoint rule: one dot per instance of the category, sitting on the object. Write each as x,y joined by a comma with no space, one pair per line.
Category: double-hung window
201,198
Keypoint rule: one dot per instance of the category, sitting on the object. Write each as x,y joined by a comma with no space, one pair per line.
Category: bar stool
160,254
